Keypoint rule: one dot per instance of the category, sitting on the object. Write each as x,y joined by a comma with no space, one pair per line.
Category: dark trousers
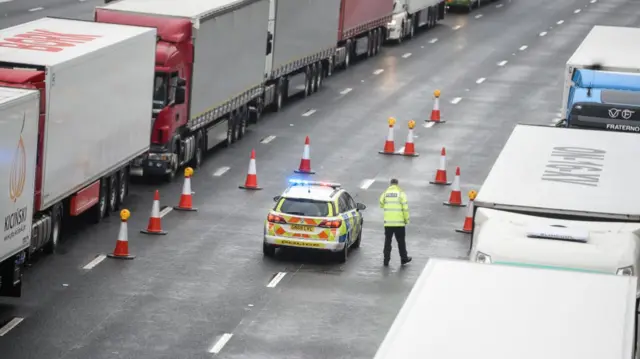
399,232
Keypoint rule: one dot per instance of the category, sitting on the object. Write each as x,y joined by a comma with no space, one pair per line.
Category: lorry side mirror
180,96
182,82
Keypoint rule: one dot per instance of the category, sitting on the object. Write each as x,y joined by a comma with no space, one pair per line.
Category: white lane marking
36,9
480,80
523,47
560,22
12,324
220,343
576,11
593,1
274,282
544,33
456,27
428,125
456,100
367,183
309,113
502,63
165,211
346,91
268,139
433,41
378,71
478,16
221,171
499,6
406,55
2,1
422,47
95,262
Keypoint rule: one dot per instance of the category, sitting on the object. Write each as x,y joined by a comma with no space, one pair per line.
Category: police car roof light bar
299,182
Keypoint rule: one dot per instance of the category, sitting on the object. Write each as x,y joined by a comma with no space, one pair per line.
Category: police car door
348,213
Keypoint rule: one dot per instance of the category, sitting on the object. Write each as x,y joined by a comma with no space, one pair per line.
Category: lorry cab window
160,91
173,84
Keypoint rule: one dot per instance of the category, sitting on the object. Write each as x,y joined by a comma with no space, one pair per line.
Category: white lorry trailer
560,198
19,144
461,310
411,15
94,117
602,81
302,40
210,70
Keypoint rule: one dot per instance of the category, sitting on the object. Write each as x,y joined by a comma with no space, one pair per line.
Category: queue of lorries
555,246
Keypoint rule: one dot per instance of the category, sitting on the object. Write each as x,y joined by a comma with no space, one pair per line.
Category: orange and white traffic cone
409,148
455,198
305,162
155,221
441,173
186,198
122,243
389,145
467,227
435,112
252,177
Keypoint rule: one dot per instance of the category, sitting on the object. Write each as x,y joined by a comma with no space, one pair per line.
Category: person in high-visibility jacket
396,217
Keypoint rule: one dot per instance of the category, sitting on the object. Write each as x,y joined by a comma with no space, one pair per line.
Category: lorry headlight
392,23
483,258
625,271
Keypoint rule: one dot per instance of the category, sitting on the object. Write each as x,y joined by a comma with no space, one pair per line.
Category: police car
316,215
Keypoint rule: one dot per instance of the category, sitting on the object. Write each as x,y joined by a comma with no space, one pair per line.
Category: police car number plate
297,227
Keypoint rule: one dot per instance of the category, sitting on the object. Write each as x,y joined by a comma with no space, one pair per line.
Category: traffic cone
409,148
155,222
441,173
455,198
435,112
186,203
122,243
252,177
467,227
389,146
305,162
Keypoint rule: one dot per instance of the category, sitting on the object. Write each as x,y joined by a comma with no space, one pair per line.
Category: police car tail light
331,224
274,218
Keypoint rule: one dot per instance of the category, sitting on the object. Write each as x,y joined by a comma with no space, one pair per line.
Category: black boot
406,260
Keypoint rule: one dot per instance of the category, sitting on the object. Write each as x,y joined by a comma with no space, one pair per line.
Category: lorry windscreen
605,117
160,90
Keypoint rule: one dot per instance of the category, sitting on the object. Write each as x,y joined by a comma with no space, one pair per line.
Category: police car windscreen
304,207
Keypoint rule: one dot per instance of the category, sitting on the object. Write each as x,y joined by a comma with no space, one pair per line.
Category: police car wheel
356,244
343,255
268,250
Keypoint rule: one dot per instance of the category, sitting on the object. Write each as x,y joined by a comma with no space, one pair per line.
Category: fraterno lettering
575,165
46,41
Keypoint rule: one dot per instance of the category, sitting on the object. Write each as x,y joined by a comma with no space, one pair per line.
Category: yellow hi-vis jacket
396,209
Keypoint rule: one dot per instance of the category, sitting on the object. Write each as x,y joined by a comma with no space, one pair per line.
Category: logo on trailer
45,40
18,174
614,112
626,114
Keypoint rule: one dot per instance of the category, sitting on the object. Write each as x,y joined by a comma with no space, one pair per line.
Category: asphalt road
205,287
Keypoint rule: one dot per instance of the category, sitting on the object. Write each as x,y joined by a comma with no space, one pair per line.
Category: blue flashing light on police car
301,182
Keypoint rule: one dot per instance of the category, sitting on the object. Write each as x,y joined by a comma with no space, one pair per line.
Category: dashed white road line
3,1
456,100
577,11
480,80
378,71
544,33
523,47
367,183
165,211
97,260
346,91
593,1
220,171
36,9
220,343
309,113
406,55
456,27
268,139
428,125
12,324
499,6
274,282
560,22
478,16
502,63
433,41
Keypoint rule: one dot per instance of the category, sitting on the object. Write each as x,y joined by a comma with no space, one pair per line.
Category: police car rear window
304,207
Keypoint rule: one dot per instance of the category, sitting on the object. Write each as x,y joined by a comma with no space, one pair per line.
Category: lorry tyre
242,122
314,78
370,44
347,57
308,74
375,42
281,91
412,28
173,169
99,210
196,162
231,128
123,186
380,39
320,76
330,65
113,194
56,226
256,113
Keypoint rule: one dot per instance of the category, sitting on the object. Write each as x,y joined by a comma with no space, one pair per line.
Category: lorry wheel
370,44
282,85
123,186
330,66
196,162
380,39
99,210
56,225
375,42
307,81
320,76
412,29
113,194
347,57
231,129
242,123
